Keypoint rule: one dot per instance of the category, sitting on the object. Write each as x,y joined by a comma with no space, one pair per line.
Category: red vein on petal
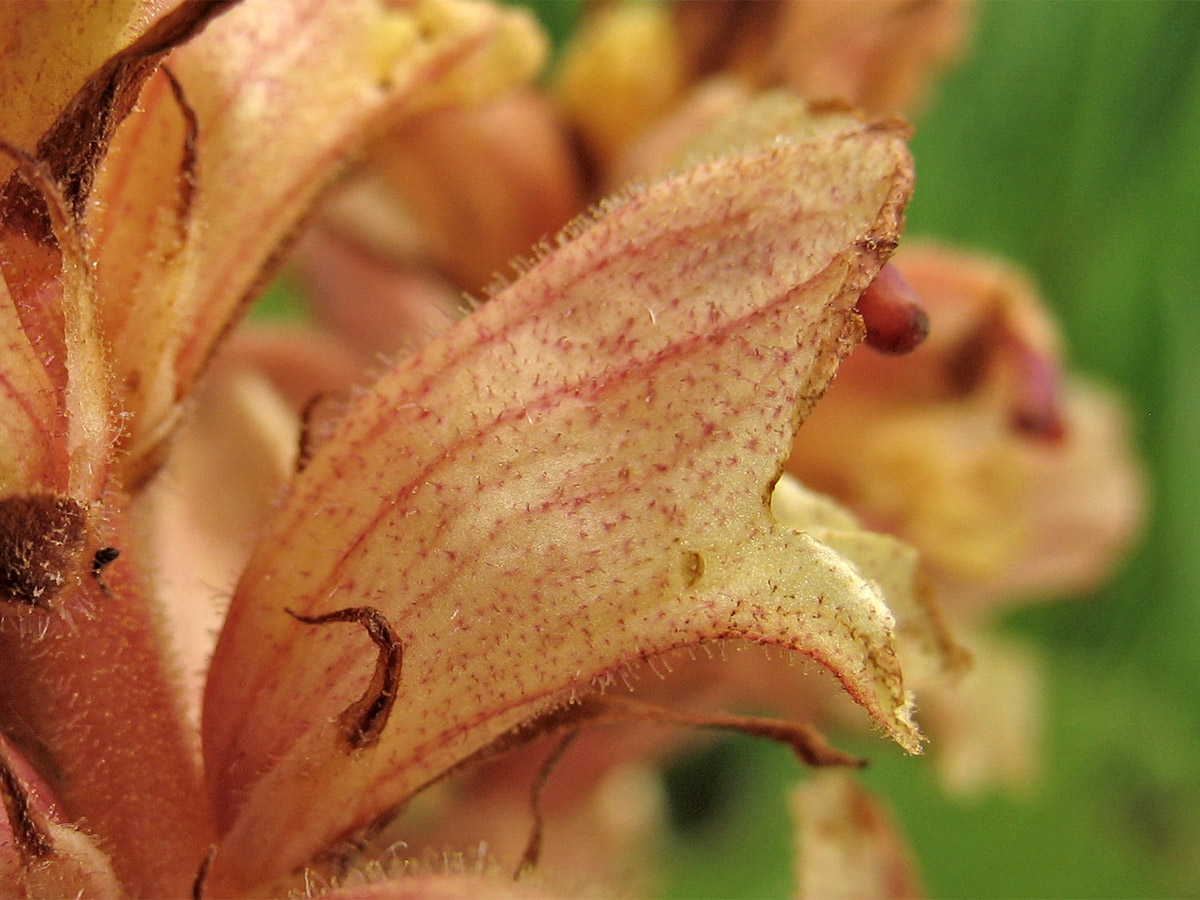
519,315
632,373
521,702
450,457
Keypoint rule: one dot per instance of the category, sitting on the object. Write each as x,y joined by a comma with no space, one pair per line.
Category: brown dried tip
201,880
895,320
27,836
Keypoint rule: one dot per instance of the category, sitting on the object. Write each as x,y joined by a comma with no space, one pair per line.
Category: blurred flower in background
1013,479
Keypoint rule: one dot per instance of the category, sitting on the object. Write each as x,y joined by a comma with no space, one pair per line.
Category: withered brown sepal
41,542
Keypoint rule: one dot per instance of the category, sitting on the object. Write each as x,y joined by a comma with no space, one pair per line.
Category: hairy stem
92,701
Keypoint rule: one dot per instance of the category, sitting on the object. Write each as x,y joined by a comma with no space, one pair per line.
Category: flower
1012,478
1015,480
489,474
569,483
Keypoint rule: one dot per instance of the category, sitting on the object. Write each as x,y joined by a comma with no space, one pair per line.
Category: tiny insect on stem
104,556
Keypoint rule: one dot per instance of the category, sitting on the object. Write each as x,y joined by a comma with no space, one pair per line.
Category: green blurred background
1068,140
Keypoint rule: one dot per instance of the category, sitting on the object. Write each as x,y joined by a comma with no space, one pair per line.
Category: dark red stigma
895,320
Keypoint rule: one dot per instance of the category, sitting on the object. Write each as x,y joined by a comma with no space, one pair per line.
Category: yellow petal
622,68
572,480
926,648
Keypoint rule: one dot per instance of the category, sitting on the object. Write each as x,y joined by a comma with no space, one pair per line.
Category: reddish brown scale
41,542
895,320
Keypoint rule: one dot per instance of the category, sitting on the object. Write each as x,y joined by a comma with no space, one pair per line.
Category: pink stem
93,703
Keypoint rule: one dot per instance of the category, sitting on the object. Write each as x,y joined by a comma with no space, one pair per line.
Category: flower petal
848,847
573,479
1010,477
272,96
60,433
29,453
377,307
926,647
478,187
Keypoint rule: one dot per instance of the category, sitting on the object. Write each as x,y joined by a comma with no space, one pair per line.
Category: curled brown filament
533,847
363,721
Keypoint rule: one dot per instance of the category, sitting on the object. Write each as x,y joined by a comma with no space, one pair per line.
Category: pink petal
39,855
